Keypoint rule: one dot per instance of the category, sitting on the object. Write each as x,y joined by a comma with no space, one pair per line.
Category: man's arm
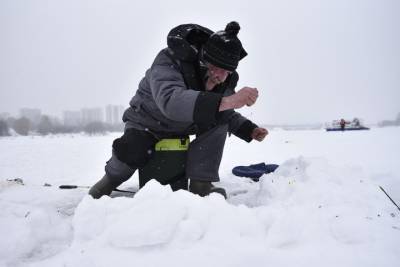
239,125
245,96
242,127
175,100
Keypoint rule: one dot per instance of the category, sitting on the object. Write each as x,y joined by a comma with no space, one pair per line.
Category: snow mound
311,198
305,209
35,222
157,216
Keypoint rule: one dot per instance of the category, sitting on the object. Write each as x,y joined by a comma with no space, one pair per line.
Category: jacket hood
186,40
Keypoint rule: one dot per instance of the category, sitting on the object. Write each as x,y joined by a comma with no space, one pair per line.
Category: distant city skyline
111,114
114,116
17,110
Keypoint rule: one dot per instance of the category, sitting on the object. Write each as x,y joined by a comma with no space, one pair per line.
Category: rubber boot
204,188
102,187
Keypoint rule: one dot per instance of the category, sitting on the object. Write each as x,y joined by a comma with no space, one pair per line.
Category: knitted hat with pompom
224,49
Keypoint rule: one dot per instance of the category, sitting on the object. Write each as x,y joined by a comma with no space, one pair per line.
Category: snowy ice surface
322,207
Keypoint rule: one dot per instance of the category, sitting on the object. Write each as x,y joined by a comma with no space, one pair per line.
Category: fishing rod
71,186
389,197
65,186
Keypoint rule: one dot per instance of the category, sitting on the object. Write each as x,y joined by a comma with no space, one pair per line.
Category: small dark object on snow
68,186
254,171
17,181
46,184
238,192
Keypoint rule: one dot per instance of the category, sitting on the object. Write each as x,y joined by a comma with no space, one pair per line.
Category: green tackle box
168,163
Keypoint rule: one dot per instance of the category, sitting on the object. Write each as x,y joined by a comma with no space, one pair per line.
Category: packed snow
322,206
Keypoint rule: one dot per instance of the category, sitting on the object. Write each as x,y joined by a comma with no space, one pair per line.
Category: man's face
216,75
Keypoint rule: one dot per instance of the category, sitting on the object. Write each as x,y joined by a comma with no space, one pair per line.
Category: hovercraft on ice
343,125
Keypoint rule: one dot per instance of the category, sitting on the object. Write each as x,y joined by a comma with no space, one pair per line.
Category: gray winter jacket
164,105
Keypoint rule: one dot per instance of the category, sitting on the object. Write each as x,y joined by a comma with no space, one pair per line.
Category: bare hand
259,134
245,96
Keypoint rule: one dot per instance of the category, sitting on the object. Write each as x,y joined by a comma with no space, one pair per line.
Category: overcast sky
312,61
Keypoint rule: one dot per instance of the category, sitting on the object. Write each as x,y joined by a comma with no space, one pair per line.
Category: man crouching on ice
188,90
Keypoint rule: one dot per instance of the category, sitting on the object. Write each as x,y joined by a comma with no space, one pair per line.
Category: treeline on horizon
23,126
395,122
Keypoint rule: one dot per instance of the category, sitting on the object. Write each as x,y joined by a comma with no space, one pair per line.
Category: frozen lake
322,207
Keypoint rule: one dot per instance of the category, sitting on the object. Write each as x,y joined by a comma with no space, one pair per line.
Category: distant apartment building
32,114
4,115
114,114
72,118
92,115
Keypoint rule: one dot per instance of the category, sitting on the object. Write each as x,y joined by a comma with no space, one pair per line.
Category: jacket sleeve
175,100
238,124
245,130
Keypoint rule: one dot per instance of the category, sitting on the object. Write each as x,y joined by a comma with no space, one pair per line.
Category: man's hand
259,134
245,96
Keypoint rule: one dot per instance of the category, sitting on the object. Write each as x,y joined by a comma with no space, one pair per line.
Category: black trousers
136,147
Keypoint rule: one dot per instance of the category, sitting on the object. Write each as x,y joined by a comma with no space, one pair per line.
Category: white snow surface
322,207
